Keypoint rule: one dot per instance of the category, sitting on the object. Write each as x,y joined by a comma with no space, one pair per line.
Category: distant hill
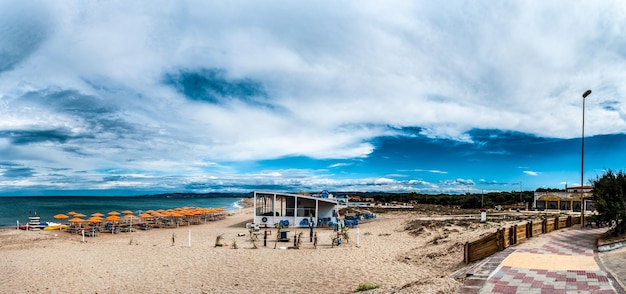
197,195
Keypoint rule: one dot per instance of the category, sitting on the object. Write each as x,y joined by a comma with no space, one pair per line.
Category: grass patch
367,286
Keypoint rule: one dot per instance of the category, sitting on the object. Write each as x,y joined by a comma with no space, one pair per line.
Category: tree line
468,200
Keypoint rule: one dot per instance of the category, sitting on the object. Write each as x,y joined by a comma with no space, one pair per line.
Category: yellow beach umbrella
97,214
113,213
127,212
79,215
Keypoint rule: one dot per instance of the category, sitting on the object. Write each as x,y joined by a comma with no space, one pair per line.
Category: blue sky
136,97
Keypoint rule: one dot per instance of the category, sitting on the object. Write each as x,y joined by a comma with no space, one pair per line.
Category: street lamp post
520,195
582,165
482,199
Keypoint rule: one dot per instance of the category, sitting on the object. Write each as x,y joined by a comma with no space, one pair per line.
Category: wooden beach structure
295,210
569,199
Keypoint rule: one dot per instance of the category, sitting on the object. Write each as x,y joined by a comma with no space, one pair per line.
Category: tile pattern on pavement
541,275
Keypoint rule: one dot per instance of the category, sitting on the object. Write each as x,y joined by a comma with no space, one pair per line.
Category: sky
142,97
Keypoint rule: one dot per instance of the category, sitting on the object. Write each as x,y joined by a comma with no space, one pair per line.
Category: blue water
13,209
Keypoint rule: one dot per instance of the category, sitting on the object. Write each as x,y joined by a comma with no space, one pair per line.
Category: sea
14,209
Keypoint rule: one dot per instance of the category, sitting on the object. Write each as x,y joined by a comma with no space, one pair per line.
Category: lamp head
586,93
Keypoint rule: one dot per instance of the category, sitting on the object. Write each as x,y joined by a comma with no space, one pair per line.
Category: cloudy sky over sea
136,97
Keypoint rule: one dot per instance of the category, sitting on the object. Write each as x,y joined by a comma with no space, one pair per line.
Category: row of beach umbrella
76,217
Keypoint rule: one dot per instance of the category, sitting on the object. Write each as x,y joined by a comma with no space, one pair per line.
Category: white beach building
294,210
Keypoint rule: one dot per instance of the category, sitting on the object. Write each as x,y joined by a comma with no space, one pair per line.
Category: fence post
569,220
544,226
498,240
514,234
556,223
466,254
529,229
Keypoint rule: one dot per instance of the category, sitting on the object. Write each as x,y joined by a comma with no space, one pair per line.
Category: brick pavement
563,261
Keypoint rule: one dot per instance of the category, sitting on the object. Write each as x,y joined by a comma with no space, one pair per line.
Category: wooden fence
503,238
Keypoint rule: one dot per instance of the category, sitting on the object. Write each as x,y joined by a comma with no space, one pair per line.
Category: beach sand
403,251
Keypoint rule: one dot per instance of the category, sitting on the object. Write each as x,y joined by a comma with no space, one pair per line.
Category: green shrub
367,286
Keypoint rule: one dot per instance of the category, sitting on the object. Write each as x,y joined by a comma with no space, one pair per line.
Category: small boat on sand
50,226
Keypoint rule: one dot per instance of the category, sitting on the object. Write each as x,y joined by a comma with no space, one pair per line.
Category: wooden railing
505,237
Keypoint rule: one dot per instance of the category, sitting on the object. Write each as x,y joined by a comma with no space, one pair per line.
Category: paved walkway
562,261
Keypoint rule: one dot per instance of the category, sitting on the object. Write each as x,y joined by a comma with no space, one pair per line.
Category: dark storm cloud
76,150
37,136
8,164
213,86
19,172
113,178
99,115
69,101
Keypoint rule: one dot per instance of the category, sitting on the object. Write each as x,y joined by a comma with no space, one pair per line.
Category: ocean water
13,209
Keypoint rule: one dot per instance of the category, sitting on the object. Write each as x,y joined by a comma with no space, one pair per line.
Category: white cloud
531,173
335,77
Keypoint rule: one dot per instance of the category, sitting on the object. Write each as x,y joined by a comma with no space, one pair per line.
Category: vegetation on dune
367,286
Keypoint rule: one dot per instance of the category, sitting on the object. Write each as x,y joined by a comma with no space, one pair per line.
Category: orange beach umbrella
94,219
60,216
76,220
112,218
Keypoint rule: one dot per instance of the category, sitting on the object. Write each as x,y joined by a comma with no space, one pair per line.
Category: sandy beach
403,251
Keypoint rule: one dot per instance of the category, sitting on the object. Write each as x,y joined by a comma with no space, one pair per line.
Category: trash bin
283,236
